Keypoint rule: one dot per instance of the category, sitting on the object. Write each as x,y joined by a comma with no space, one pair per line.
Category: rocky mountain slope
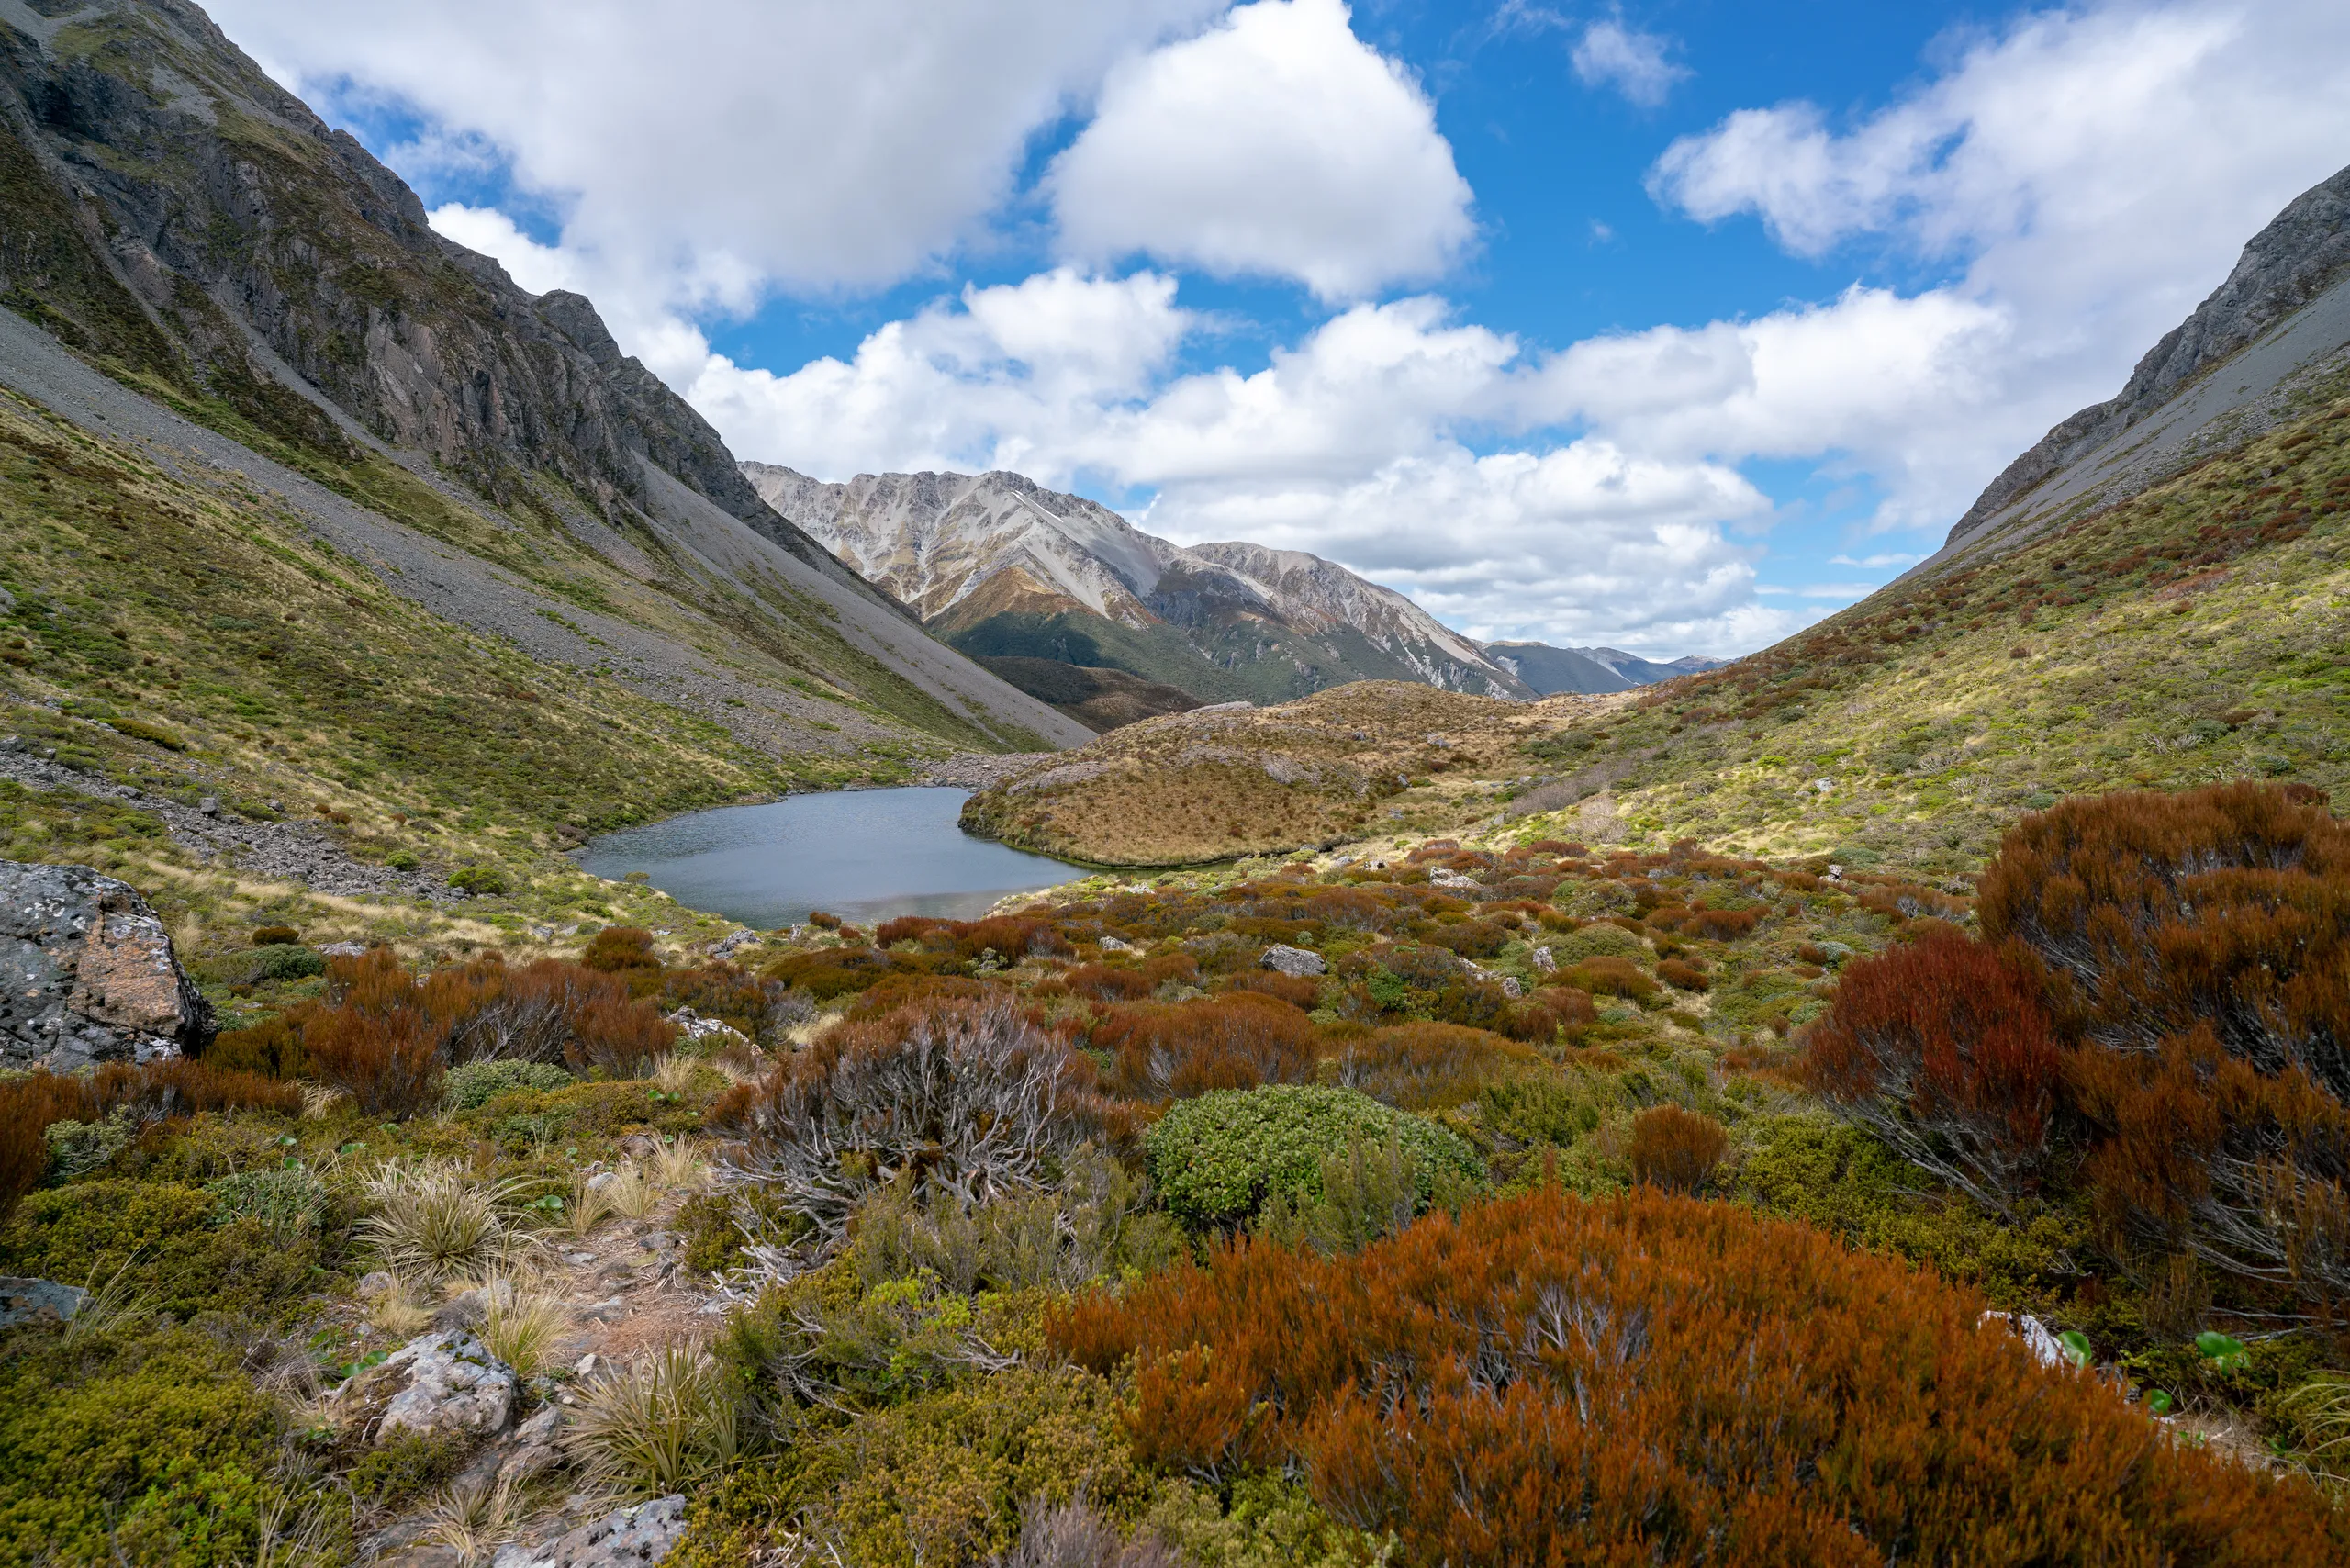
268,293
2268,344
998,566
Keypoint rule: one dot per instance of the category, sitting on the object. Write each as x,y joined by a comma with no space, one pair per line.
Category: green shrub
275,935
1215,1159
476,1084
76,1148
167,1234
1599,941
287,1202
405,1467
402,860
1272,1522
1837,1177
939,1479
287,961
484,881
131,1448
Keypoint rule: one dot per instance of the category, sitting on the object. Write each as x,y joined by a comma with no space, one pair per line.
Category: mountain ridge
240,307
2281,317
1000,567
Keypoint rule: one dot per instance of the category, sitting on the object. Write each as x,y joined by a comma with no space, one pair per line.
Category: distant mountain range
1023,579
1550,670
1003,569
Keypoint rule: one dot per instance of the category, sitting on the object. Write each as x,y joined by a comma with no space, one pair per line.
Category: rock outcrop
636,1537
1283,959
444,1383
169,206
37,1300
87,973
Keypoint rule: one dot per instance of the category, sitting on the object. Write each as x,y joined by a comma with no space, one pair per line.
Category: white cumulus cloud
702,150
1636,64
1278,145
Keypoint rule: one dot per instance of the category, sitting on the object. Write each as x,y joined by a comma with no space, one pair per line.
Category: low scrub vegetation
1078,1224
1528,1381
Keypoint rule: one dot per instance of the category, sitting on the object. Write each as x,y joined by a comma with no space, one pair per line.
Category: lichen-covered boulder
87,973
1284,959
442,1383
37,1300
635,1537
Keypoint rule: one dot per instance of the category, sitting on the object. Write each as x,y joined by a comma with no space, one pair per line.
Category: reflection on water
864,855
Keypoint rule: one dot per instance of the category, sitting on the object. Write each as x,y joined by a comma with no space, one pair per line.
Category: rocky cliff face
167,208
2301,257
1004,567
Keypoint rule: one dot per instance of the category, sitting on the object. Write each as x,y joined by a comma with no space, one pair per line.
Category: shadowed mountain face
1004,568
1098,699
180,222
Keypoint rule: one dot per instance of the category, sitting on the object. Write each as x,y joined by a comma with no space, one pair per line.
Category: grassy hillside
1370,757
2192,634
191,639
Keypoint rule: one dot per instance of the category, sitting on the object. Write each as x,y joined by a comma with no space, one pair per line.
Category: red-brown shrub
1540,1019
1427,1067
180,1087
28,1106
372,1037
1472,938
2202,946
1676,1150
887,996
836,971
1898,900
1298,991
1237,1040
272,1048
1681,974
384,1036
1945,1050
1722,925
904,928
1661,1380
619,1036
2229,906
618,947
1108,982
157,1092
1608,975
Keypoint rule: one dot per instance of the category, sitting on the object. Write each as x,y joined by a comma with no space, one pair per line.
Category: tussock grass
473,1520
660,1423
521,1323
436,1221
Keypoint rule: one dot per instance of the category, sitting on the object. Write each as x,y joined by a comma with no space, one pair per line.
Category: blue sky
1671,326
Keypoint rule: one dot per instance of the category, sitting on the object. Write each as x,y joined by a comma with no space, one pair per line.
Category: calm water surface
864,855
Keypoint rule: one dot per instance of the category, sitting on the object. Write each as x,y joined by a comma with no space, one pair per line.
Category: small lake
864,855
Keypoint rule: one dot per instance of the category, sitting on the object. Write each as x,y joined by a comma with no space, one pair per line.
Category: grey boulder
437,1384
37,1300
635,1536
87,973
1289,960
